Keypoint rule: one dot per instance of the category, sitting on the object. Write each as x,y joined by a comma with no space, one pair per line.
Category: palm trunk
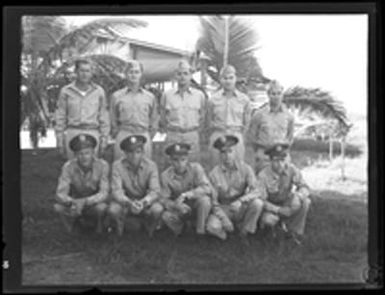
226,47
343,144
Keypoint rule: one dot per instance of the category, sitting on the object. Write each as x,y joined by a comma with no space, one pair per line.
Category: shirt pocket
236,111
192,114
73,106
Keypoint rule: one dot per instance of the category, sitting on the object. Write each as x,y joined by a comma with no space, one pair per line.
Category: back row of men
182,113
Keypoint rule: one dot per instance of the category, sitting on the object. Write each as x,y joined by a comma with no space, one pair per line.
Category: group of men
233,197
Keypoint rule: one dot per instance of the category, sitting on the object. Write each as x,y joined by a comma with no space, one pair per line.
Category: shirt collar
128,165
175,175
285,171
81,171
129,89
235,167
73,86
187,90
281,108
235,92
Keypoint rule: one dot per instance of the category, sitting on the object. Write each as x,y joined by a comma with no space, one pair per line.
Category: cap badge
82,137
177,148
133,140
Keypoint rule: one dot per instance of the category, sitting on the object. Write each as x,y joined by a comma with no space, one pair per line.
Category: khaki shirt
74,183
229,113
278,188
234,183
134,185
133,111
182,112
268,128
194,179
88,111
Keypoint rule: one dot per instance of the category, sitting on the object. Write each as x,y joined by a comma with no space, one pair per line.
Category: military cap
224,142
178,149
130,143
82,141
226,70
277,150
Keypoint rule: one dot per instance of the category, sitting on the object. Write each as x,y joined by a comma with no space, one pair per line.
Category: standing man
228,113
133,110
82,108
135,186
286,193
185,190
83,184
272,126
237,196
182,111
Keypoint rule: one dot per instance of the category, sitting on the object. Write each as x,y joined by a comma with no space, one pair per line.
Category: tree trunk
343,144
227,37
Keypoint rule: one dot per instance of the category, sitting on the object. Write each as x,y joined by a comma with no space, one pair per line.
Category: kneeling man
83,184
287,194
185,190
236,196
135,186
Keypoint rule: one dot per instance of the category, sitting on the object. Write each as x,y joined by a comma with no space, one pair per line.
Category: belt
83,127
228,128
182,130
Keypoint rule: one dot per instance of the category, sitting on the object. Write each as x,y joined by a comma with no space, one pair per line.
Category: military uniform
286,194
92,186
81,112
193,180
228,116
182,117
236,183
133,113
268,128
129,184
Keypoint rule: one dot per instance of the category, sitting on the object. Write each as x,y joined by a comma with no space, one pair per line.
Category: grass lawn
334,250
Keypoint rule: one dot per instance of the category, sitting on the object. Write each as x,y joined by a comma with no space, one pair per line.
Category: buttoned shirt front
133,111
76,183
77,109
135,184
270,127
231,183
182,111
193,179
279,187
229,113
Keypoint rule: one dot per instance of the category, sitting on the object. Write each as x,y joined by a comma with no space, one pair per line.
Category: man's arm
166,193
290,130
246,116
254,188
104,188
114,114
104,119
63,188
117,190
214,192
61,118
162,113
153,185
154,115
201,182
303,190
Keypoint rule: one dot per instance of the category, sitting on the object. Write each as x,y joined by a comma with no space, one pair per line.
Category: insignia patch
133,139
177,148
82,137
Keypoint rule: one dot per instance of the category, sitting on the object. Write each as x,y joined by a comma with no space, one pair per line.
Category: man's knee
214,224
156,209
269,219
306,203
59,208
100,208
256,205
115,210
204,202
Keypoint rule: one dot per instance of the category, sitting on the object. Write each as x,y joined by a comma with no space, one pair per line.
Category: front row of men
230,199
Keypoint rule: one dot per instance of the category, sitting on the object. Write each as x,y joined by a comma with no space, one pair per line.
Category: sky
326,51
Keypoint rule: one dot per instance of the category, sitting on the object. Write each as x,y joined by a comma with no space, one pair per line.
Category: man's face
228,81
85,157
227,156
183,76
278,164
134,74
275,97
179,163
84,73
134,157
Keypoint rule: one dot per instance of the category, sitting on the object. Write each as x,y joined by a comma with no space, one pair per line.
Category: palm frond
317,100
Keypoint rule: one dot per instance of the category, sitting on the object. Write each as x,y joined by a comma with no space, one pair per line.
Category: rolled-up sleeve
117,190
104,187
63,188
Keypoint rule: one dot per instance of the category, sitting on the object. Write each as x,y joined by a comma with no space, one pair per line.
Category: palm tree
47,46
229,40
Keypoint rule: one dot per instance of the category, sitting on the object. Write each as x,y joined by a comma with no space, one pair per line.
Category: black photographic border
11,153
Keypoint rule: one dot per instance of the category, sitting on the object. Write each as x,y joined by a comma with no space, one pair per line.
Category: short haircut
274,84
80,61
130,65
184,63
227,69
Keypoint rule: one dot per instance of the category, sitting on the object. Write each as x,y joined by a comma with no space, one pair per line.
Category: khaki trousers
245,218
293,213
199,207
